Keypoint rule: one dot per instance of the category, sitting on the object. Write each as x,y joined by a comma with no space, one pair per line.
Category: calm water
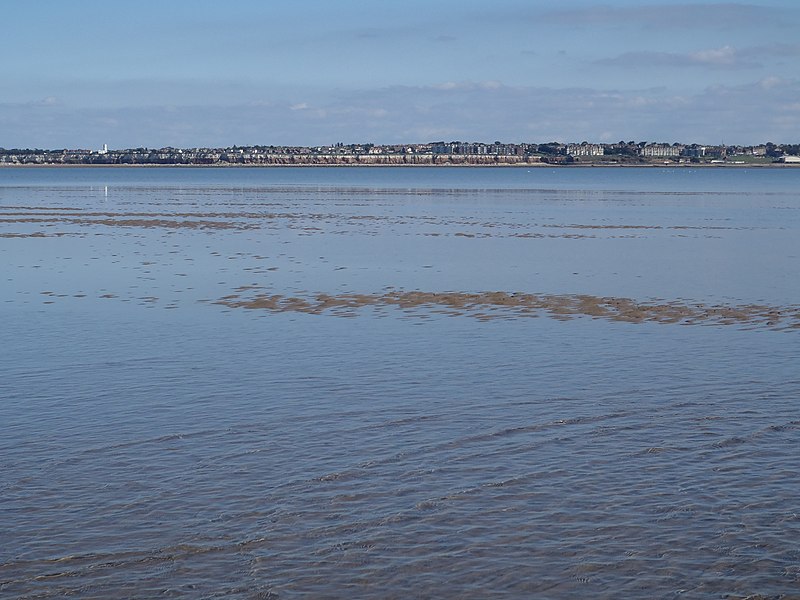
158,444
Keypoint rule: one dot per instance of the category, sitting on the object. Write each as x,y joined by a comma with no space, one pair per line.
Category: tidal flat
376,382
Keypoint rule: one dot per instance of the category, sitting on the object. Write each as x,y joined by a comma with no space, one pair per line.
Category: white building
660,151
585,150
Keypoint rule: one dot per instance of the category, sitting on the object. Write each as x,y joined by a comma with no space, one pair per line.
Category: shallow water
158,443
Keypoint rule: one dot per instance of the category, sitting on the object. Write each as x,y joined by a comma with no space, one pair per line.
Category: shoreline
536,165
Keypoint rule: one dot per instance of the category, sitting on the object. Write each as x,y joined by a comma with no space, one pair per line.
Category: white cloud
703,15
717,56
769,83
724,57
763,110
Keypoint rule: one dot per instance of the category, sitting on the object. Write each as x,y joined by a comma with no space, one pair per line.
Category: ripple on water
283,453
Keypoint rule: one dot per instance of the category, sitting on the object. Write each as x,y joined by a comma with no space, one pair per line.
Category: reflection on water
206,450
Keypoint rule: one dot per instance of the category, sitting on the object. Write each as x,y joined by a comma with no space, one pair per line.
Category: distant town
433,153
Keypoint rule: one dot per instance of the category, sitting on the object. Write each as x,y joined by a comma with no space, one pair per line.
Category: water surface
157,442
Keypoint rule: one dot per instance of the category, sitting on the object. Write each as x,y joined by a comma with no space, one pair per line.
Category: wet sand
493,305
353,212
343,222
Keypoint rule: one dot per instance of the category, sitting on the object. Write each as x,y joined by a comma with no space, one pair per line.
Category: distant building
467,148
694,151
660,151
790,159
585,150
720,152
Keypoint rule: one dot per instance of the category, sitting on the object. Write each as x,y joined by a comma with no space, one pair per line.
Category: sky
201,73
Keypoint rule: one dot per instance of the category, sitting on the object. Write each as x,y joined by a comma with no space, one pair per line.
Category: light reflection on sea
157,445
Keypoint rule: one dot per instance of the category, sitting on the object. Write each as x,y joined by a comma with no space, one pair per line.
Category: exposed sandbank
492,305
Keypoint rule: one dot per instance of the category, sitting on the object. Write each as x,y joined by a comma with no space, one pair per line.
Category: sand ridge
500,304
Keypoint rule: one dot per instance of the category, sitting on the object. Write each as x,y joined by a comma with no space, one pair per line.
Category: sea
369,382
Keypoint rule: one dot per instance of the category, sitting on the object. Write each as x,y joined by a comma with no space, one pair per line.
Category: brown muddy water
399,383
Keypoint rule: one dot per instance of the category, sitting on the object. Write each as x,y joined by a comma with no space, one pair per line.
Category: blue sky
202,73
